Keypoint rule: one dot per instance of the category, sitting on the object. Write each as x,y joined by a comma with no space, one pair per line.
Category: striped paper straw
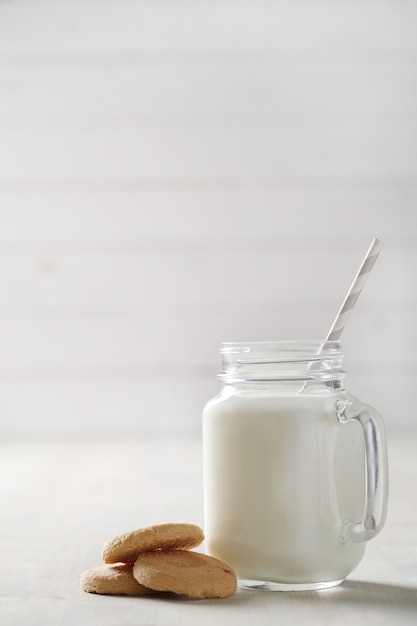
355,290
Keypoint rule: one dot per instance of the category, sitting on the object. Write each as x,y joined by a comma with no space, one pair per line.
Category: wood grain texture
229,94
169,154
176,174
163,26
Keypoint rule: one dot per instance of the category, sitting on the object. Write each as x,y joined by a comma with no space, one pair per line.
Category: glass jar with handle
295,467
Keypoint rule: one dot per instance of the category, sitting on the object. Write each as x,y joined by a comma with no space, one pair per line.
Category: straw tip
377,243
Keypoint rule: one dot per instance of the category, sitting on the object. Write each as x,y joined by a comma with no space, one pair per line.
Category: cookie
126,548
113,580
185,573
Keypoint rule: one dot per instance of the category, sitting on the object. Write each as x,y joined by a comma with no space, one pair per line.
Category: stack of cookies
160,559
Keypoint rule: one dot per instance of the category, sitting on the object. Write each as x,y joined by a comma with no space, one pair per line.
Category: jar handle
376,471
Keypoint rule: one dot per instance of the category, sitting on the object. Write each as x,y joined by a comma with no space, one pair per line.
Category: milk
281,475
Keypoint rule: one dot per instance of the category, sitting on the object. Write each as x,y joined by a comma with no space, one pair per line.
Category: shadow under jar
295,468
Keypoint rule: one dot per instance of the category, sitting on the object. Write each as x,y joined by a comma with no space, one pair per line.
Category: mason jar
295,467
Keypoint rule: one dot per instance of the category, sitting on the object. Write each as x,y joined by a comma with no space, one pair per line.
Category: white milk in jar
289,498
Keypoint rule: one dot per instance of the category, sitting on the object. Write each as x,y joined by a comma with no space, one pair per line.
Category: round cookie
114,580
126,548
185,573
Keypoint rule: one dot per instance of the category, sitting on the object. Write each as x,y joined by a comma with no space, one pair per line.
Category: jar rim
311,346
309,359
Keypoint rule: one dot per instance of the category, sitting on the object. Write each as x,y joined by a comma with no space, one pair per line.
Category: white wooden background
178,173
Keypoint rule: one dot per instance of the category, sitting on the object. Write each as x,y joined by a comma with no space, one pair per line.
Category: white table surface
61,500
